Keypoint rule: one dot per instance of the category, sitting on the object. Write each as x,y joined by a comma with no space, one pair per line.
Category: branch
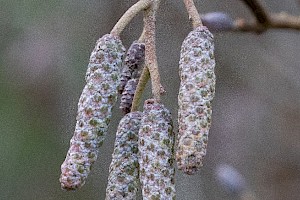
258,10
150,51
129,15
277,21
193,13
140,89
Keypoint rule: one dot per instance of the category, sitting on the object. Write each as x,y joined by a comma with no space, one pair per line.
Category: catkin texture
123,171
132,64
156,152
127,95
197,89
94,111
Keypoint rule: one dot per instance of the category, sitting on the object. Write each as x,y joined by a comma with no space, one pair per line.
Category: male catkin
156,152
132,64
94,111
197,89
123,171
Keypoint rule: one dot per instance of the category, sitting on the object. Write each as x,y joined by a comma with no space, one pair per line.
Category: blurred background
44,52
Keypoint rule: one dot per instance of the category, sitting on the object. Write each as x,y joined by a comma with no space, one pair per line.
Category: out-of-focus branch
193,13
220,22
258,10
276,21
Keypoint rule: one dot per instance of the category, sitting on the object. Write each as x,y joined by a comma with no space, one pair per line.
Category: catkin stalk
94,111
197,89
123,171
156,152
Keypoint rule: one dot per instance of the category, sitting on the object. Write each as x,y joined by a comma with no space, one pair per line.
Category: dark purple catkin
156,152
217,21
123,171
94,111
196,92
132,64
127,95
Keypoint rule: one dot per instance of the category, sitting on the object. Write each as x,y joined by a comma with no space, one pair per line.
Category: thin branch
129,15
140,89
193,13
150,51
258,10
277,21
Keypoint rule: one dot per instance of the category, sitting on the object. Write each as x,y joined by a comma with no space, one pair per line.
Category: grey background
44,52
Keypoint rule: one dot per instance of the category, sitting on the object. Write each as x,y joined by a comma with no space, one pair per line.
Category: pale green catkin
94,111
156,153
123,171
197,89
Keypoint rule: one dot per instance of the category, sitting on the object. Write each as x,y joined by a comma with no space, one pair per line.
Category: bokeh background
44,52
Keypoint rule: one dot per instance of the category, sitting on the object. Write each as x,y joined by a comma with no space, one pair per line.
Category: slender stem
150,51
258,10
193,13
129,15
277,21
140,89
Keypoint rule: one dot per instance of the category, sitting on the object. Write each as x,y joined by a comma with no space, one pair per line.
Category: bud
230,179
123,171
197,89
132,63
127,95
218,21
156,150
94,111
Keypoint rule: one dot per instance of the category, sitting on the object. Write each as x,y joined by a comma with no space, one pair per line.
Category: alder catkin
156,152
197,89
218,21
123,171
94,111
132,64
127,95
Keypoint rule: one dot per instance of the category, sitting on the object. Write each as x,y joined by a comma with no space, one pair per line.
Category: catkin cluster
123,171
156,153
196,92
94,111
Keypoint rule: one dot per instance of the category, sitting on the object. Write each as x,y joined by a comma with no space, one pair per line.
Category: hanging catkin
156,155
94,111
132,64
197,89
127,95
123,171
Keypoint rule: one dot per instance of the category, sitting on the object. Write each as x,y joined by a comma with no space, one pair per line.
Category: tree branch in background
193,13
258,10
277,21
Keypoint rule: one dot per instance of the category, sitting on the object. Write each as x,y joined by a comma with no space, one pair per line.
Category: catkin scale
132,64
123,172
156,152
196,92
94,111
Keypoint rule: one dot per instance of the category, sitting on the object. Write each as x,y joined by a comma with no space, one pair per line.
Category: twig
258,10
129,15
150,51
277,21
193,13
140,89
